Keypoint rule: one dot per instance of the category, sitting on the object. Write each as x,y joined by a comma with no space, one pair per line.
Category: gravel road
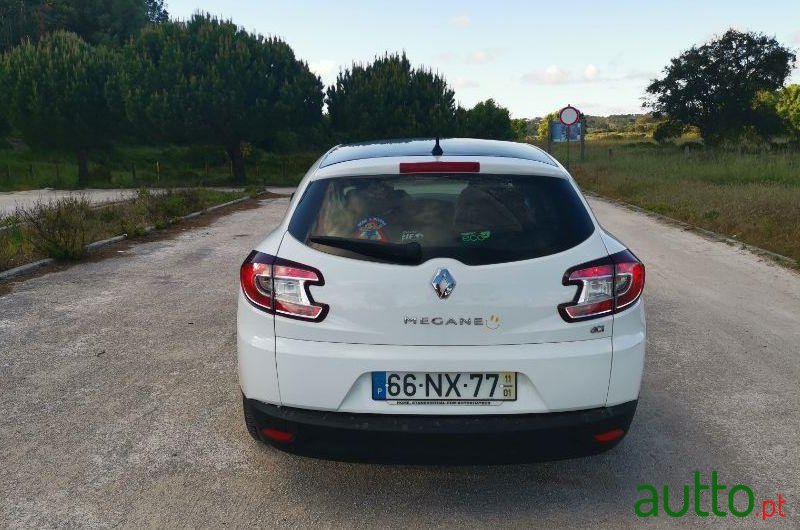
119,403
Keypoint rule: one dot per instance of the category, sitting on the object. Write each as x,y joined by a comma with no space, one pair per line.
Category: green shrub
667,130
60,229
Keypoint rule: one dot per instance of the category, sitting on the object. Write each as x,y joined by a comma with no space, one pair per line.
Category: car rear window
408,219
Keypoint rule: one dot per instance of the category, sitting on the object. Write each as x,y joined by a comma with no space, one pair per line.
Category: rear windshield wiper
406,253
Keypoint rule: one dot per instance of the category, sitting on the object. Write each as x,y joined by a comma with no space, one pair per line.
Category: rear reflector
609,436
440,167
277,435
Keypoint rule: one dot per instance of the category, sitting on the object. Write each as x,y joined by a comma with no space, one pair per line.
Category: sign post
569,116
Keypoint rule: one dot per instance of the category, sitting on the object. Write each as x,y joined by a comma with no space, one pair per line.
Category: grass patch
753,197
134,166
62,228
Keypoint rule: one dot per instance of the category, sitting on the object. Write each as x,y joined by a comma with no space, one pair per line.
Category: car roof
423,147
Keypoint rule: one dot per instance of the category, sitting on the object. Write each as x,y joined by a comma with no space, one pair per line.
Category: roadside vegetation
62,228
74,86
152,101
135,166
751,195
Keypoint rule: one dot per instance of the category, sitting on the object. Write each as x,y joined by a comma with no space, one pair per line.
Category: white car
456,295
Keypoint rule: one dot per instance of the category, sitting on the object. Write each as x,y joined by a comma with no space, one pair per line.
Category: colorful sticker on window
409,236
475,237
370,228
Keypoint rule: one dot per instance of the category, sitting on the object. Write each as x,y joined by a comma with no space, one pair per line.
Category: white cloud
461,21
552,75
322,67
796,37
461,83
480,57
444,57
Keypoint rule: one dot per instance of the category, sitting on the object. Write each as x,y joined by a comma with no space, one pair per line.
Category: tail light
440,167
280,287
605,286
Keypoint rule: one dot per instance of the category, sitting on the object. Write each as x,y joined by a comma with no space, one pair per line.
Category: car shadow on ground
664,446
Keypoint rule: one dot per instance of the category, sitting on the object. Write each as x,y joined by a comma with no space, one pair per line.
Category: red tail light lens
629,283
440,167
280,287
605,286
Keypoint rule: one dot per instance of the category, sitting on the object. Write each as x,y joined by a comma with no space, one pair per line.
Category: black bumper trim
449,424
491,438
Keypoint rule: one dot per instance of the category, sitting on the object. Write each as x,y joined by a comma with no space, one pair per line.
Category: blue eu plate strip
379,385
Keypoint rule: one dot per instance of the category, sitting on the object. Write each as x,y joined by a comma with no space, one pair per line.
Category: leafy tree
99,21
766,121
520,128
788,107
713,86
156,11
96,21
543,131
779,111
488,120
390,99
209,81
4,127
667,130
56,94
18,21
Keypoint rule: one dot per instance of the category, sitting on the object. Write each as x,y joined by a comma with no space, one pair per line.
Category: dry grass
62,228
752,197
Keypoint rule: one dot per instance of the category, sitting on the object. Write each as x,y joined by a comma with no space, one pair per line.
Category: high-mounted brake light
280,287
440,167
605,286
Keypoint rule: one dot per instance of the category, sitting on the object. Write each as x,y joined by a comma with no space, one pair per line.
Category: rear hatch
450,258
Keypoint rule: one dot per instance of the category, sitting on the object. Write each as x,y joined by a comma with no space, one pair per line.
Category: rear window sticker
370,228
475,237
411,235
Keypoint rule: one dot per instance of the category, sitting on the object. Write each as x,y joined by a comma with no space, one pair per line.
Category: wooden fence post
583,136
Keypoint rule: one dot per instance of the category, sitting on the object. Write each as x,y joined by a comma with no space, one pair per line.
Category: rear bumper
445,438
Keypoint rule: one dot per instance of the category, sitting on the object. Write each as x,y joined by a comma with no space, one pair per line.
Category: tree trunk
237,163
83,167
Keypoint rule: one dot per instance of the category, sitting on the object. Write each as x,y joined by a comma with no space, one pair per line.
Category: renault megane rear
455,295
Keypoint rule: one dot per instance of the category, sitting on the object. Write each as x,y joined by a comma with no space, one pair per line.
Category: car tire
250,420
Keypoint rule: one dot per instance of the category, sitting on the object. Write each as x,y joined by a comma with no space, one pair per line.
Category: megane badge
443,283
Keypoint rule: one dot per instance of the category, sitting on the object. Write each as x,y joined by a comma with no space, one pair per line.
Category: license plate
467,388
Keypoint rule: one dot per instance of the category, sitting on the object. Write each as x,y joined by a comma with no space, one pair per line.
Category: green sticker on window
475,237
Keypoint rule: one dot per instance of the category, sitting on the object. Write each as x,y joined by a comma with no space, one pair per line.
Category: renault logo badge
443,283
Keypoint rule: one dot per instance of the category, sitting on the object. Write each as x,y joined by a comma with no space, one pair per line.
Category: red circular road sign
569,115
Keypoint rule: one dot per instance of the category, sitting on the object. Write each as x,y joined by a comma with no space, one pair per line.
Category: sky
531,57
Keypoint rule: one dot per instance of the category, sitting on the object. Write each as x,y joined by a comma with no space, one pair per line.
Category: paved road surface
119,403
